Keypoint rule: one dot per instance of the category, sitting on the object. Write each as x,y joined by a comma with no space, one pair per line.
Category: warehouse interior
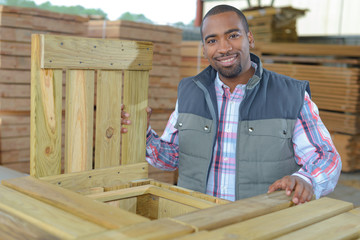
317,41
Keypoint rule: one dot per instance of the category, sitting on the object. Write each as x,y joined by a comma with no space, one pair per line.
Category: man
239,130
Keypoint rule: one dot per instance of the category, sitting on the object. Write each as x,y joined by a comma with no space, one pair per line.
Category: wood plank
15,76
164,228
73,52
120,194
18,20
234,212
135,100
49,219
281,222
105,177
79,117
46,114
310,49
15,228
108,119
88,209
343,226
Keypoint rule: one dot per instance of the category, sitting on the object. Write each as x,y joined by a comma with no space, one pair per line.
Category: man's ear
251,40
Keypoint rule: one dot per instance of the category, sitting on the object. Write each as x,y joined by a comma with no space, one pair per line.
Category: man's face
226,44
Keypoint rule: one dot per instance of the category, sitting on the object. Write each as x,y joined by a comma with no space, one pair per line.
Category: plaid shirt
314,149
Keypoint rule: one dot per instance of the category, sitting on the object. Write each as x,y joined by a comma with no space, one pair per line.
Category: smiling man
239,130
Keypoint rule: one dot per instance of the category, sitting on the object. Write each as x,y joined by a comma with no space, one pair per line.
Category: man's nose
225,46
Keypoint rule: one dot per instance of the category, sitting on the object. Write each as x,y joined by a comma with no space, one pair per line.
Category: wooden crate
38,209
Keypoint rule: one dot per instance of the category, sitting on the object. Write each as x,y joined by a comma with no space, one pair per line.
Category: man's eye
234,35
211,41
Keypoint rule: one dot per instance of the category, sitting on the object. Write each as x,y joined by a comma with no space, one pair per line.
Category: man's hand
125,118
303,191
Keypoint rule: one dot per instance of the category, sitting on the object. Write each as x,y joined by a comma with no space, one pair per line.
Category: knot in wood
47,150
109,132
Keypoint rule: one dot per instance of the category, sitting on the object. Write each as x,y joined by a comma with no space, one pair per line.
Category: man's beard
230,72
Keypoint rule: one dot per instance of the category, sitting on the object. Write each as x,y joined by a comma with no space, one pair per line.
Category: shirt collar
220,85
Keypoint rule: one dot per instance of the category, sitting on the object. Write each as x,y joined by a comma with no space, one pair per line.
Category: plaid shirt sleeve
163,152
315,151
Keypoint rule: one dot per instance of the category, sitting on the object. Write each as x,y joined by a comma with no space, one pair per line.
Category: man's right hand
125,118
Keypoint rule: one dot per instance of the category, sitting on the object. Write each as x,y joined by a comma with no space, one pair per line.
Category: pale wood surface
72,52
281,222
79,125
88,209
45,133
342,226
134,142
236,211
105,177
52,220
108,112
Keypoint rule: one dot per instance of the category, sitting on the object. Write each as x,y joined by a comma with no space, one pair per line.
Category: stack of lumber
165,73
334,75
273,24
36,209
16,26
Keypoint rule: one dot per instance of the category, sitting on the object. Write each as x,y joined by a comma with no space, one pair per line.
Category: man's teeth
227,60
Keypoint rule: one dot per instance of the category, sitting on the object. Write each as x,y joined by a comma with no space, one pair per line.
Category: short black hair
221,9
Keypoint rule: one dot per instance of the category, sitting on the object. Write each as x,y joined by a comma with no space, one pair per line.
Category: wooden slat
310,49
15,228
236,211
160,229
51,220
281,222
45,132
73,52
343,226
88,209
79,115
108,119
105,177
135,82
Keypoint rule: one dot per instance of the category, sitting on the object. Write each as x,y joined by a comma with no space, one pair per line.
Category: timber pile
334,75
165,73
273,24
16,26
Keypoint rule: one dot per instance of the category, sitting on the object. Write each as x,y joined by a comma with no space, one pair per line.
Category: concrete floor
348,188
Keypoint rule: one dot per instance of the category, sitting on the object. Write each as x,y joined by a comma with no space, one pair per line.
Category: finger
291,183
125,114
125,122
275,186
124,130
298,193
122,107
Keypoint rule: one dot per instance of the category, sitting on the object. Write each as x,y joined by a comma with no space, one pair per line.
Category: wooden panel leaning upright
112,63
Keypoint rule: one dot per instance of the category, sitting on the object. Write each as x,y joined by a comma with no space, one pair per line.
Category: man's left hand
303,191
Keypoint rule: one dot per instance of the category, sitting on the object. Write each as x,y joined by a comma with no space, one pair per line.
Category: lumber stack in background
165,73
271,24
334,75
16,26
